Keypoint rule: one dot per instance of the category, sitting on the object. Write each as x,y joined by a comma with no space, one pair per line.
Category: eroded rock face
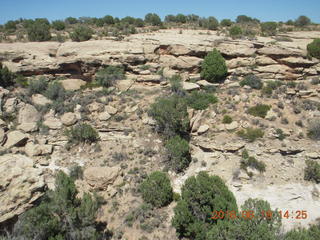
20,185
99,178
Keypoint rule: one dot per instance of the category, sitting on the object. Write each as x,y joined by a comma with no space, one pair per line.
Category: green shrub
313,233
312,171
214,68
58,25
71,20
106,77
271,85
82,133
38,86
226,23
55,92
253,81
248,161
178,152
10,26
39,31
269,28
259,110
280,134
81,33
256,227
6,77
157,190
200,196
251,134
61,215
235,32
176,84
227,119
314,48
314,129
171,116
200,100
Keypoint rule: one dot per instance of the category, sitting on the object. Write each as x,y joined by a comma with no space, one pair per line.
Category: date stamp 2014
249,215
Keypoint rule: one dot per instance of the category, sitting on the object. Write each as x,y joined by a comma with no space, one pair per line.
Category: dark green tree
153,19
156,189
200,196
214,68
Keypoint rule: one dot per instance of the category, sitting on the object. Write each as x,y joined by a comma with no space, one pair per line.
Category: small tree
178,153
157,190
81,33
214,68
61,215
153,19
302,21
314,48
171,116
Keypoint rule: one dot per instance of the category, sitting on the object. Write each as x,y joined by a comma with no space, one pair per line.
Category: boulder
180,63
21,185
15,138
10,105
232,126
111,110
278,52
236,49
72,84
277,68
53,123
99,178
271,115
69,119
28,114
188,86
105,116
202,129
263,60
41,100
204,83
297,62
32,149
149,78
28,127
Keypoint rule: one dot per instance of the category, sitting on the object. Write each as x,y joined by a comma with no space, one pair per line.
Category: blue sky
265,10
